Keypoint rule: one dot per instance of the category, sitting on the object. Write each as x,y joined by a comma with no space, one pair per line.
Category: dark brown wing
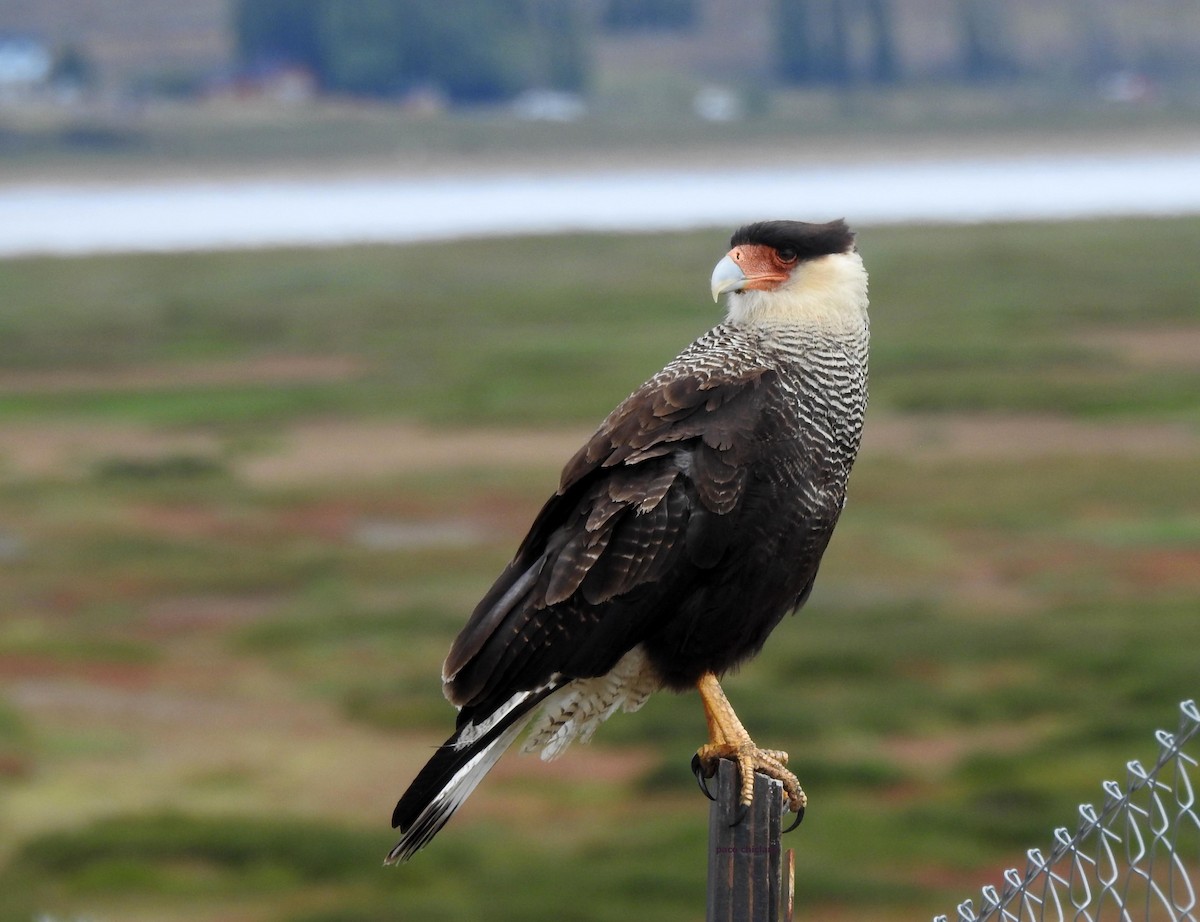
642,506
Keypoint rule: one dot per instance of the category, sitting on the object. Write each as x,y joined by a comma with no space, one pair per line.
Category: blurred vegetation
460,332
472,50
476,51
634,118
216,677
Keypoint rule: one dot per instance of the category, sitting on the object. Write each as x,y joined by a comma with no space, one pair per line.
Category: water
93,218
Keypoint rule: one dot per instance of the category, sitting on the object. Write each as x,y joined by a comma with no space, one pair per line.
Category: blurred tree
478,50
649,15
812,41
884,63
472,50
986,40
277,31
815,41
362,46
795,40
560,33
73,68
1099,53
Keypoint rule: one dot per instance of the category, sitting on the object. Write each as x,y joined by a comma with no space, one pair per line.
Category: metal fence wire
1136,859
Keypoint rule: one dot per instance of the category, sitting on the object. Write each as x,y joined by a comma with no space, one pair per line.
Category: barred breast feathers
813,332
816,326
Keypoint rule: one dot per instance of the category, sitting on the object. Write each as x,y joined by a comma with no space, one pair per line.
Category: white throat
828,293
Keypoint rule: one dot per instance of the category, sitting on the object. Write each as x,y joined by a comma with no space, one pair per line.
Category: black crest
808,241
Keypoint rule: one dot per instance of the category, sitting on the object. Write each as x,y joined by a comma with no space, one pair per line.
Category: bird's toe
702,776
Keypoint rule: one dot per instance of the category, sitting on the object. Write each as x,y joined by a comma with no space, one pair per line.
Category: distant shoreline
799,151
167,216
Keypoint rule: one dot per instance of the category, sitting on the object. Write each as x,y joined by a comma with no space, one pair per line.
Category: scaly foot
750,759
728,739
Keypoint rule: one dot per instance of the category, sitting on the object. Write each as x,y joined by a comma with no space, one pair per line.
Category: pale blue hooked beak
727,276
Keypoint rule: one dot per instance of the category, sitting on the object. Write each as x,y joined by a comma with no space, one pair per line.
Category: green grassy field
246,500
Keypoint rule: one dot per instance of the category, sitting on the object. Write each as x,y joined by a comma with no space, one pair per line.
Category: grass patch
366,661
129,860
990,322
16,745
225,844
27,637
168,467
233,408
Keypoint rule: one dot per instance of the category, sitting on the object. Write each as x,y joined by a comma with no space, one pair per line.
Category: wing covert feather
643,503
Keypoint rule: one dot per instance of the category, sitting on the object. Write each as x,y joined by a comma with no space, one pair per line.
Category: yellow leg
728,739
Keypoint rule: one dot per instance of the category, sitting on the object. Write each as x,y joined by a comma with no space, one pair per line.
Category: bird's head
791,272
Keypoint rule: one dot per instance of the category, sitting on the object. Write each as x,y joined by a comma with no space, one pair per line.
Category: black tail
455,769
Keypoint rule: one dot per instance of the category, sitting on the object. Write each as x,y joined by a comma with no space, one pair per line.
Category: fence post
750,879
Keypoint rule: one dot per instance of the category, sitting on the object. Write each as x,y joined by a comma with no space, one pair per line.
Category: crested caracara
681,533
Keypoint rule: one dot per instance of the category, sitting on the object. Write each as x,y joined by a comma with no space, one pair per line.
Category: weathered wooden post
750,879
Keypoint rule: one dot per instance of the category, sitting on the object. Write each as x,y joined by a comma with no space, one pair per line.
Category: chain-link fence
1135,859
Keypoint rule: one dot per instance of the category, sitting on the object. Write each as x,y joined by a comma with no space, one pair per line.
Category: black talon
698,771
739,814
796,822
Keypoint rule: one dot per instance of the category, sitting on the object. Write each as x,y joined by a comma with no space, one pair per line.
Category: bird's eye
787,255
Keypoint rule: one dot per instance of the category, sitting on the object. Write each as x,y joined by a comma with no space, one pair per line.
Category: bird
680,534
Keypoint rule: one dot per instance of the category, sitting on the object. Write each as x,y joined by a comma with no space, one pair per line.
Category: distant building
282,83
25,63
721,40
129,40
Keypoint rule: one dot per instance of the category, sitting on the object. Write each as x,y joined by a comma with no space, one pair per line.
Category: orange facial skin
765,267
